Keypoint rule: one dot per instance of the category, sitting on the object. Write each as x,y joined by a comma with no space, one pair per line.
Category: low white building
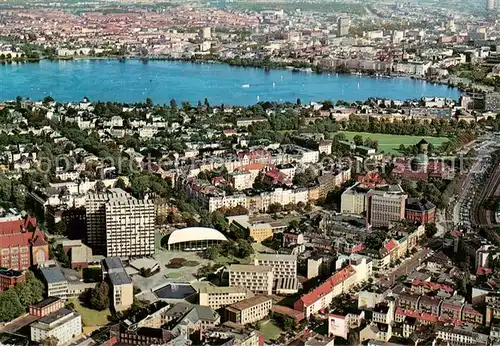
64,325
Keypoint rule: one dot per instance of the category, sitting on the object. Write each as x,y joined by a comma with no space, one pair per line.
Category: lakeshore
133,81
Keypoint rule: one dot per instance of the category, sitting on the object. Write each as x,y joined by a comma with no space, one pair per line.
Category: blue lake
131,81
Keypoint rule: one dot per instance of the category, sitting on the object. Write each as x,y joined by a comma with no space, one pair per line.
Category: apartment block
218,297
461,335
258,280
130,228
284,266
249,310
95,209
63,324
122,291
119,224
321,297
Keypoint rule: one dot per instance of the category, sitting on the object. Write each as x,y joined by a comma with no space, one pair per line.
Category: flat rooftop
223,289
250,302
249,268
55,319
53,274
275,257
174,291
46,302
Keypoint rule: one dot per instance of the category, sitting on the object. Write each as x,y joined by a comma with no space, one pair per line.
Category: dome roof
194,234
421,159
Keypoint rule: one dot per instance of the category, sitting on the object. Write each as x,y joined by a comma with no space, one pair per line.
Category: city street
405,268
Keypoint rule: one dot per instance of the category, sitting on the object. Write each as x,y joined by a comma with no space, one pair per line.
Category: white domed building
194,239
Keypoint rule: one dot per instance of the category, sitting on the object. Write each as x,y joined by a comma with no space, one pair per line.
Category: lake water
131,81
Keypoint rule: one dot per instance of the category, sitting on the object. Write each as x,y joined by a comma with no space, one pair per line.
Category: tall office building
385,206
490,5
343,25
119,224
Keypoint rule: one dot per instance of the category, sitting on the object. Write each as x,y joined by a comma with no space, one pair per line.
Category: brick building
46,306
9,278
22,244
420,210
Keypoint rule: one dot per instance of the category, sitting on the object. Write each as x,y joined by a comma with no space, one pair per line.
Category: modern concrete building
490,5
56,284
130,228
119,224
284,266
218,297
249,310
194,238
257,279
353,200
64,325
343,25
122,291
385,206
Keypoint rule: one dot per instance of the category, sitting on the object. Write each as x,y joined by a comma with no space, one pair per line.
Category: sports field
391,143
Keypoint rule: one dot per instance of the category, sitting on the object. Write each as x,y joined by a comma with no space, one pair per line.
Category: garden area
91,317
270,330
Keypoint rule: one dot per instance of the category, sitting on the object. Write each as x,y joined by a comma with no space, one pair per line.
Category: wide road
405,268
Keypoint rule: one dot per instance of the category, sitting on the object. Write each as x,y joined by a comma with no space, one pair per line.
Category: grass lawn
391,143
91,318
174,275
270,330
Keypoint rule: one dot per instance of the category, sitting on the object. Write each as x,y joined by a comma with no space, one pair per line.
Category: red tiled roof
36,238
357,248
327,286
469,309
371,179
251,167
417,315
284,310
17,226
22,232
391,245
277,176
433,286
450,306
218,180
483,271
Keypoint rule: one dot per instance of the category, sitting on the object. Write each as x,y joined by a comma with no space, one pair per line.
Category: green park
391,143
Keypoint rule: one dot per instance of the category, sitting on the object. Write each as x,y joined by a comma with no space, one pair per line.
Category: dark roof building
420,210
